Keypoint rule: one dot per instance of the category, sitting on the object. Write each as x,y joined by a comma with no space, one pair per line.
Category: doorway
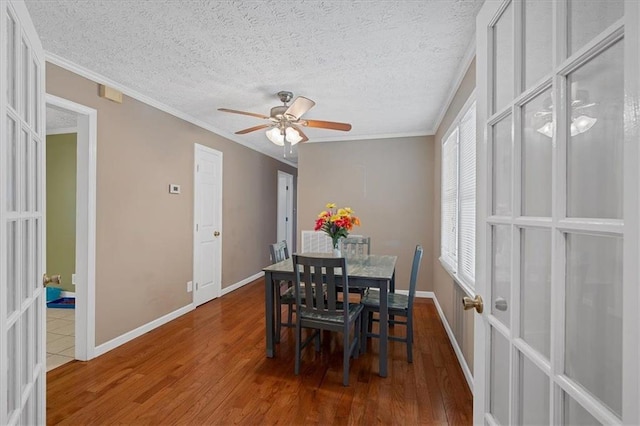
71,332
285,208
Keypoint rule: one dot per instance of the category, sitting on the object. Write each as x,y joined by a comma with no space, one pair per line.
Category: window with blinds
458,220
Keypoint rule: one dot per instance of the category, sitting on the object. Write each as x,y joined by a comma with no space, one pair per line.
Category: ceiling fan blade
299,130
252,129
252,114
332,125
299,106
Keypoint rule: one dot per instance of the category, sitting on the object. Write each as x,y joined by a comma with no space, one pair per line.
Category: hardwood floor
209,367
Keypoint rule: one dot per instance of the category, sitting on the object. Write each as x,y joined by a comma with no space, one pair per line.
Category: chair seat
289,296
394,300
354,311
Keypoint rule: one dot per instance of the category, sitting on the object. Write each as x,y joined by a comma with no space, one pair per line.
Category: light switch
174,189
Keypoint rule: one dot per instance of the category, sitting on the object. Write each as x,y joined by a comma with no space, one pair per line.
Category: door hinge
197,167
196,226
197,286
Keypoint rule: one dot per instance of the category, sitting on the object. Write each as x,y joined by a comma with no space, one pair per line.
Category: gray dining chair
356,245
318,306
284,289
399,305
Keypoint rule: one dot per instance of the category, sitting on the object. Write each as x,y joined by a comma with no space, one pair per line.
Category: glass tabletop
365,266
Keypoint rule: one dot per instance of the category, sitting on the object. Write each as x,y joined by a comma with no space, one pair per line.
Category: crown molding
370,137
469,54
100,79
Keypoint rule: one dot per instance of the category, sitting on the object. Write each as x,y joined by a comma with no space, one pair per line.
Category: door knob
46,280
469,303
216,233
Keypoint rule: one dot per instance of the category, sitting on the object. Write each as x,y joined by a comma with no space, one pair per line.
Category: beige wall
447,292
144,234
61,207
389,184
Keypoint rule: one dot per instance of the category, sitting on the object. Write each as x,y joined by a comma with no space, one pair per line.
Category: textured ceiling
59,120
386,67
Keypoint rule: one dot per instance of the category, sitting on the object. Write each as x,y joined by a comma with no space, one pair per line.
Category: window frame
455,270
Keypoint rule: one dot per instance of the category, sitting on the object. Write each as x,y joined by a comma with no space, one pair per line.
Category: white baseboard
241,283
423,294
122,339
454,343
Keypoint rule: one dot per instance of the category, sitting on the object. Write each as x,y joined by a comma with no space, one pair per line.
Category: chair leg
364,324
298,349
410,338
290,316
356,336
346,354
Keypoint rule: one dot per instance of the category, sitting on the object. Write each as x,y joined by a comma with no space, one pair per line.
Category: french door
22,300
558,213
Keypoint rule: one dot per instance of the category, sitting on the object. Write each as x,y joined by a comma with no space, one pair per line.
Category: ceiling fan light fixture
275,135
292,135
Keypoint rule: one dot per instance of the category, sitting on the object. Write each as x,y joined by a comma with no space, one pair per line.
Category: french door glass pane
499,398
26,193
12,165
588,18
595,147
35,90
535,293
35,336
11,61
37,165
502,152
12,267
13,365
537,40
24,350
26,260
534,393
26,59
575,414
503,59
537,132
593,324
37,254
501,273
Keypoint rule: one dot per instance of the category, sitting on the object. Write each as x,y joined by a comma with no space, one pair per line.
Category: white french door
557,243
207,252
22,300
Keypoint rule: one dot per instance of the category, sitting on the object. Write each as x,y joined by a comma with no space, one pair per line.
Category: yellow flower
348,210
335,217
342,212
331,205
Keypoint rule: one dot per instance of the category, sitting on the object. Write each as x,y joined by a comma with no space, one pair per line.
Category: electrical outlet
73,279
189,286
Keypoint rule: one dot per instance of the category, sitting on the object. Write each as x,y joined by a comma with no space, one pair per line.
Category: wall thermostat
174,189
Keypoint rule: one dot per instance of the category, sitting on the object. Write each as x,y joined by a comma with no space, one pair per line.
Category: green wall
61,207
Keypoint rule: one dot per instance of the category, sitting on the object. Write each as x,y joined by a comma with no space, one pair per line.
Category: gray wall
144,253
389,184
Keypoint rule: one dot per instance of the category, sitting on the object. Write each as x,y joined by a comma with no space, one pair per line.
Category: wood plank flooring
209,367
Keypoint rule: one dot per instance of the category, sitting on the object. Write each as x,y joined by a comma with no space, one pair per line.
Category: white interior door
22,299
285,208
557,213
207,254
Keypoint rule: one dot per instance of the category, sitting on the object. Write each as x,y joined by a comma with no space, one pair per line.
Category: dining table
363,271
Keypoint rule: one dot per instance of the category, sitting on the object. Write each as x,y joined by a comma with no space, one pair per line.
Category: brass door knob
469,303
216,233
46,280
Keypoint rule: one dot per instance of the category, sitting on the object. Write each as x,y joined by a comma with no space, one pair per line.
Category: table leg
384,329
392,288
268,310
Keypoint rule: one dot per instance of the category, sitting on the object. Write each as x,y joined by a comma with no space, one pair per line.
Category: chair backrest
356,245
279,251
322,277
415,269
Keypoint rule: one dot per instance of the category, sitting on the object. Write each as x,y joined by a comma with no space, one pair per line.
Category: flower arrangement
336,223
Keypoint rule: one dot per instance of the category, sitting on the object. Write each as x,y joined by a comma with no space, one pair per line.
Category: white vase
337,252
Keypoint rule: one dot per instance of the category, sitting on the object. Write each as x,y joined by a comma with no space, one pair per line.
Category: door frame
86,183
196,249
287,194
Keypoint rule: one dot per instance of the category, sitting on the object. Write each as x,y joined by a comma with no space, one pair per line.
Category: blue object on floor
63,302
53,293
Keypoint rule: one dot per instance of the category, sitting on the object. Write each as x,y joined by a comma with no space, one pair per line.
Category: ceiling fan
286,120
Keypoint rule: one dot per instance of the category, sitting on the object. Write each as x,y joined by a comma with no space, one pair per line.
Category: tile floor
61,331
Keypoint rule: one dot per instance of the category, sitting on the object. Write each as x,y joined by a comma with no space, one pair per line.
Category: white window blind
467,195
449,201
458,221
